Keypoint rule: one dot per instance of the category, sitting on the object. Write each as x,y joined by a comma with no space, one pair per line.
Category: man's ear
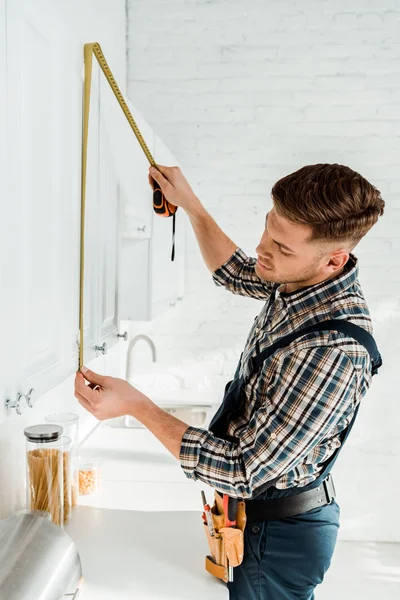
338,260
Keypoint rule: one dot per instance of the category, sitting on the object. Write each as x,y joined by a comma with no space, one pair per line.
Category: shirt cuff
227,270
192,441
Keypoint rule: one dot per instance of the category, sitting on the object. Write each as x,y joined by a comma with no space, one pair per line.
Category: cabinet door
107,232
134,285
8,233
131,165
166,276
93,225
138,195
36,151
136,216
71,61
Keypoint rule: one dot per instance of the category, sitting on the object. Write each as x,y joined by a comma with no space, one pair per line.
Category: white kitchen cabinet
137,207
101,229
134,279
93,228
8,229
131,165
166,276
40,243
107,237
150,283
41,129
42,157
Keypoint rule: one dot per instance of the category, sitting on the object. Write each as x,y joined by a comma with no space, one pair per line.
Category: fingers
165,170
93,377
85,403
84,390
161,177
156,175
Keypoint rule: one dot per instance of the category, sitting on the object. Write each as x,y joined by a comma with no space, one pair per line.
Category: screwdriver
207,511
230,510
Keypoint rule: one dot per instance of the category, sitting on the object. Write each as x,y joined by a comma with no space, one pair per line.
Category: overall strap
362,336
358,333
332,459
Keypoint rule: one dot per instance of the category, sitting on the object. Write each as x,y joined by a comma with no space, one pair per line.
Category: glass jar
90,480
70,424
67,477
44,470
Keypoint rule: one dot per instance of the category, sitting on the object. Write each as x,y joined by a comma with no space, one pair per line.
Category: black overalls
285,559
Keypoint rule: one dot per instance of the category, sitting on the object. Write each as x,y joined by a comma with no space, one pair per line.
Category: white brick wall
244,93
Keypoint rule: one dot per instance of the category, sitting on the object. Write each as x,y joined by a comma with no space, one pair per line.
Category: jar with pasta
70,424
45,470
67,477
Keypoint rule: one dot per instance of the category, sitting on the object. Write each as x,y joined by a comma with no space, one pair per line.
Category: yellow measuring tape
160,204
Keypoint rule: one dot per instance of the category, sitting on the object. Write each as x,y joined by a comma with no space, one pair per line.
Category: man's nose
263,248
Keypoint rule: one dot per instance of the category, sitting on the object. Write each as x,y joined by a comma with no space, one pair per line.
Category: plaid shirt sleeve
238,275
309,392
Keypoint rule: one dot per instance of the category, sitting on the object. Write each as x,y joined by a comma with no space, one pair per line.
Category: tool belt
227,544
289,506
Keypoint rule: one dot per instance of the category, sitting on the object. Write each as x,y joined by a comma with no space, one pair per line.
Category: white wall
80,23
244,93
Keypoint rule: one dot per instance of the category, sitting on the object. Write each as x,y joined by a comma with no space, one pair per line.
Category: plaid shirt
302,397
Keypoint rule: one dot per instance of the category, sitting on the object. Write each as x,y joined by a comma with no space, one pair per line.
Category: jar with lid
70,424
44,470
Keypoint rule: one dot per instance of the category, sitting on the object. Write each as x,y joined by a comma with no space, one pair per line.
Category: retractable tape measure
160,204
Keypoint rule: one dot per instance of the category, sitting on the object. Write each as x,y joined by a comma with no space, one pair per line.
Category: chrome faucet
131,345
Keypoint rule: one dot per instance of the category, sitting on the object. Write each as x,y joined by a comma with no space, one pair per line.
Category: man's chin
266,274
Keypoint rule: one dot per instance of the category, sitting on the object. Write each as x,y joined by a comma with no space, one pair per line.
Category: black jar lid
43,433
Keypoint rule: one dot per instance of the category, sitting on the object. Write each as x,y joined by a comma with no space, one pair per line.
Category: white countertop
141,536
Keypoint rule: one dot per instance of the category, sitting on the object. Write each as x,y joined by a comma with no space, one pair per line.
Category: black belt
288,506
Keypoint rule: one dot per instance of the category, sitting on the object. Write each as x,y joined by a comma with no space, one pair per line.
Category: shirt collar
324,290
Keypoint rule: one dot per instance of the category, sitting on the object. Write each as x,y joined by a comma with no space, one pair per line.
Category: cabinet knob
102,349
29,398
19,404
141,228
123,335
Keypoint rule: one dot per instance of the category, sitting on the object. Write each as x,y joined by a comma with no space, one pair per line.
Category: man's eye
282,252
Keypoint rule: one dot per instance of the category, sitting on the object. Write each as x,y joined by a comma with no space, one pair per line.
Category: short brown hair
335,201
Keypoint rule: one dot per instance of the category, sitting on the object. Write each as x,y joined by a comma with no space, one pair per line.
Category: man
297,406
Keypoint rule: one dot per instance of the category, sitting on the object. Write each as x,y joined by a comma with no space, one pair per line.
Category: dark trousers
286,559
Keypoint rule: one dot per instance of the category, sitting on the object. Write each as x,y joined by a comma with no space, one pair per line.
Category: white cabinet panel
8,231
166,276
150,283
138,206
93,225
70,198
108,241
134,280
36,157
131,164
42,216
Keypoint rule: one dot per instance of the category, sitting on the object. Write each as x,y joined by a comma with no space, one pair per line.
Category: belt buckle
329,489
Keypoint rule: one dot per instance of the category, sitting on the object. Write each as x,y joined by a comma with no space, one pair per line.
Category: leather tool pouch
227,545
